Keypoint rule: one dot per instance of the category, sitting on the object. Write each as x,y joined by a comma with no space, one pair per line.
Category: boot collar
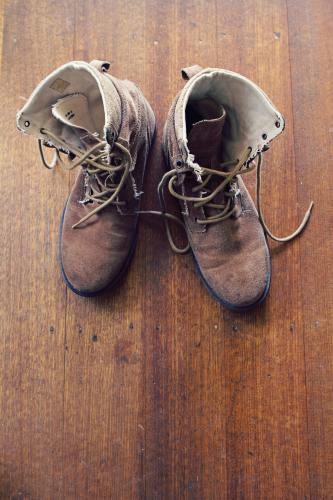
71,79
252,119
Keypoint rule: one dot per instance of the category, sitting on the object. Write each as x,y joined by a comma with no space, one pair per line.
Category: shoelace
228,190
97,165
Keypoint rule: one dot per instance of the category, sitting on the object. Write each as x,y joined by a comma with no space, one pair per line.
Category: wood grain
312,87
33,300
155,391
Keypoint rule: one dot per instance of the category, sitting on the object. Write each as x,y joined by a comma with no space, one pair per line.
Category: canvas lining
75,78
252,120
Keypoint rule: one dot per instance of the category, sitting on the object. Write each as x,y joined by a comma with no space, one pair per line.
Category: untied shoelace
97,164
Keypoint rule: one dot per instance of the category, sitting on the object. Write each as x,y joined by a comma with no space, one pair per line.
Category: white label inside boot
74,111
59,85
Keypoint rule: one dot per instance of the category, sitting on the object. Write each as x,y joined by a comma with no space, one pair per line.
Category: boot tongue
205,138
205,143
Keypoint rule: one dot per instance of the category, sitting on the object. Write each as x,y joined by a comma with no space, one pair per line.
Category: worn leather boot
217,129
106,126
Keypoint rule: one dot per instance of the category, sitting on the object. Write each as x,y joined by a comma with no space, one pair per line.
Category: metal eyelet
110,136
27,123
105,67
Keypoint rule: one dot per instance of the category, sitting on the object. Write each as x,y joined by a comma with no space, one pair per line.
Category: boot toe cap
90,265
239,285
88,279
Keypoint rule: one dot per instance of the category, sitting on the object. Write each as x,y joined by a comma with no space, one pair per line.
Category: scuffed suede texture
95,253
232,255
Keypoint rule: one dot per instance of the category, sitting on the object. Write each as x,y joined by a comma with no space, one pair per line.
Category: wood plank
33,297
105,361
267,449
181,401
312,75
2,8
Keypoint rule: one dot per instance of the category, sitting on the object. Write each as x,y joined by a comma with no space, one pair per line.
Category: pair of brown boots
217,129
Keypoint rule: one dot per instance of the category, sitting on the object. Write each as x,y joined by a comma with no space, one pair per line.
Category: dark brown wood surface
155,391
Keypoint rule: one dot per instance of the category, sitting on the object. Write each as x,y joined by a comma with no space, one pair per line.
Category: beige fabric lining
252,120
102,101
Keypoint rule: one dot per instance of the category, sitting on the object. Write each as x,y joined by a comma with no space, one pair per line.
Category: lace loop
227,206
261,217
49,166
96,163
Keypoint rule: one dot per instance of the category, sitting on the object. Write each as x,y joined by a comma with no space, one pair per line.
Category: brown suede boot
219,123
106,126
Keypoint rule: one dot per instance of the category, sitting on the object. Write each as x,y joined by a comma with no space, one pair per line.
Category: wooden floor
156,391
